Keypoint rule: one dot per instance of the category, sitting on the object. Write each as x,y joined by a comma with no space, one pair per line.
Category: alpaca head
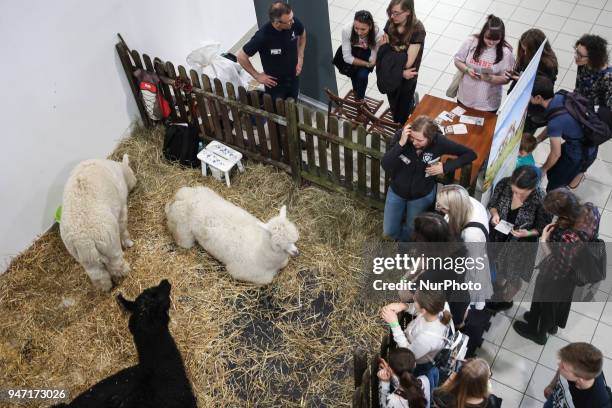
149,311
128,173
283,233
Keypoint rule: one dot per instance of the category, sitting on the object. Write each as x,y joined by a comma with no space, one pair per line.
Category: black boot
527,317
524,330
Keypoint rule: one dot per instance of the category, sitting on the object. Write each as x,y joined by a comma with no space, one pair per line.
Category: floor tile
456,3
565,42
522,346
606,316
592,309
525,16
594,192
516,29
435,25
441,94
468,17
477,5
458,30
423,8
511,397
569,80
533,5
605,152
605,32
512,370
436,59
598,4
578,27
499,327
337,14
608,5
583,13
450,46
444,81
347,4
578,328
539,380
607,368
428,76
605,19
431,40
559,8
488,351
549,357
601,339
445,11
564,58
529,402
550,21
502,10
511,313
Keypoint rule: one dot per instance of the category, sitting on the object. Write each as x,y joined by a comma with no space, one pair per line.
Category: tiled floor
521,369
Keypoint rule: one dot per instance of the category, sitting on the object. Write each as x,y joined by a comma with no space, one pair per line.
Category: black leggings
401,101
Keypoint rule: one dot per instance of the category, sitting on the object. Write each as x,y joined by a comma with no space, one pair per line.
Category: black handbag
349,69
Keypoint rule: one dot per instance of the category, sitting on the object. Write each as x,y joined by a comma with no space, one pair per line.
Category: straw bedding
288,344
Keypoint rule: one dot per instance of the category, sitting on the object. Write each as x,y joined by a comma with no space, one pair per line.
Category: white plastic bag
208,60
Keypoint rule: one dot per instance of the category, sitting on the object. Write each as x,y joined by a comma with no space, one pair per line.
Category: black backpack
181,144
596,127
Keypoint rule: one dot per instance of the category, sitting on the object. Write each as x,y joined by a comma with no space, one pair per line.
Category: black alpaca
159,380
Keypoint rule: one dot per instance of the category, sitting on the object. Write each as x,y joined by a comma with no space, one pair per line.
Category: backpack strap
480,226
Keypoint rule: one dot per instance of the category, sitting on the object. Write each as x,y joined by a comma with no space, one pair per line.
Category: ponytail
446,317
411,390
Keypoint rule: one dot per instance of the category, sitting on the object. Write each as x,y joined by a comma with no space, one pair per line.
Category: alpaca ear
127,304
262,225
283,211
165,286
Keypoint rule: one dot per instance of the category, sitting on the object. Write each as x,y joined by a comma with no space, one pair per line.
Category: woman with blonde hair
468,388
469,219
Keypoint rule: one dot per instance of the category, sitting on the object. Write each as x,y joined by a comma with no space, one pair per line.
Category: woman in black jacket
413,161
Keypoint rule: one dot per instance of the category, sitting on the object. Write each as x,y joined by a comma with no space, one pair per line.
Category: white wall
64,94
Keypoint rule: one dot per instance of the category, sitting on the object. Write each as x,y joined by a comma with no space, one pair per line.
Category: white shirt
425,339
474,234
346,44
388,400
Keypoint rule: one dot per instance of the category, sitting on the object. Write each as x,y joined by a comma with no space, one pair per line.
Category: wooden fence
291,137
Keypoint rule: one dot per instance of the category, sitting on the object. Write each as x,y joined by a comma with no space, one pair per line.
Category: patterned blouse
595,85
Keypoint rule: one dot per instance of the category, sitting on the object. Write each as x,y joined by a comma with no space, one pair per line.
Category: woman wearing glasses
594,81
404,34
359,46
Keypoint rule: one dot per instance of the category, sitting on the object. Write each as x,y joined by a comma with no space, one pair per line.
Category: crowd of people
417,211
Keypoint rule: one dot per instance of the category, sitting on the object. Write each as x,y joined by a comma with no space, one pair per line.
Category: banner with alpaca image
509,128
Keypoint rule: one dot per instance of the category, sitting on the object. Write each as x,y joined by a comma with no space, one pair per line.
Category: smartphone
555,219
434,161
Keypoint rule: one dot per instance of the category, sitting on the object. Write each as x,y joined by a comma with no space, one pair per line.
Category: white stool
220,158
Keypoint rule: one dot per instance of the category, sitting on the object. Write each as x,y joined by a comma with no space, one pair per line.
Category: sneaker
524,330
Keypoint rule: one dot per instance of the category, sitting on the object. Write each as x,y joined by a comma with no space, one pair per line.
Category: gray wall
318,71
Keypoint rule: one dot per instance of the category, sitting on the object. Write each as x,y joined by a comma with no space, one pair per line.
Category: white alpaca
251,251
94,218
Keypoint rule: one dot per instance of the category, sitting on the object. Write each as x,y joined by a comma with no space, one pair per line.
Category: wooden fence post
293,136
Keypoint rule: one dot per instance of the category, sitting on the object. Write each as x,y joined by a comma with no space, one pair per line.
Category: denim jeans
396,207
359,79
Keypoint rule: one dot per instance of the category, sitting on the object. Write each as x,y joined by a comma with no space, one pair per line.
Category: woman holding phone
413,161
484,58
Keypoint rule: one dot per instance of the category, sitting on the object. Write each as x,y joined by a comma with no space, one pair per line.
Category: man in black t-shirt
581,365
280,44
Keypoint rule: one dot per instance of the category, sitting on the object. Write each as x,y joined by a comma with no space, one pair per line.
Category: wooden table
478,138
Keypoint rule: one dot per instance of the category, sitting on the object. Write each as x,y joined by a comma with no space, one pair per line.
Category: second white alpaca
251,250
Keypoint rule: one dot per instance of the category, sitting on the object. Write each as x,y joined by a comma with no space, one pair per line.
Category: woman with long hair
404,33
552,296
469,219
528,45
470,387
594,81
359,46
425,335
413,158
519,200
397,374
484,58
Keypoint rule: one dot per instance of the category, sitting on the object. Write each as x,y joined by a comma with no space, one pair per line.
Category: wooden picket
303,143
